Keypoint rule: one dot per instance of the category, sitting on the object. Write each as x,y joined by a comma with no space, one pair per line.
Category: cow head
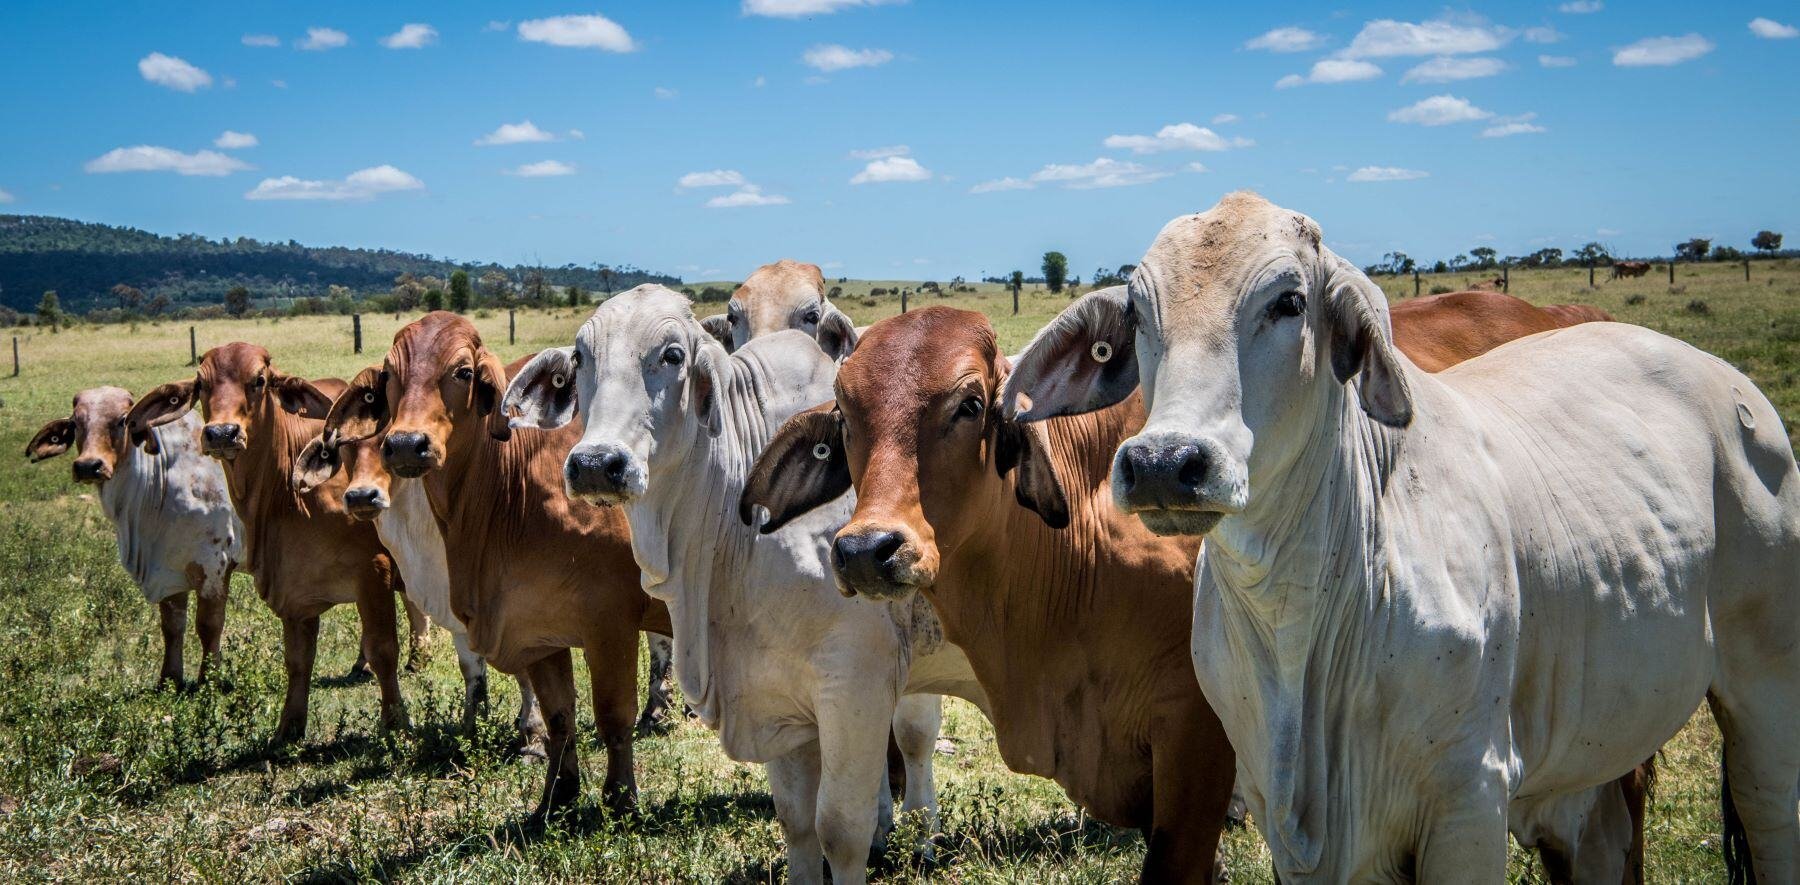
1246,329
237,388
95,428
783,295
438,384
928,457
655,367
368,492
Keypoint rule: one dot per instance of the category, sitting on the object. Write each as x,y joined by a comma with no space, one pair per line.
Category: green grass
102,777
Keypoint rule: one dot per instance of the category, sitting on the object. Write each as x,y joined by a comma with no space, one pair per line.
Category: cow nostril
613,465
886,547
1193,467
1128,467
422,448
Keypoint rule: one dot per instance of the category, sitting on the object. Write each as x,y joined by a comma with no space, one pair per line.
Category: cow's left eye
465,373
1288,304
970,407
812,316
258,381
674,355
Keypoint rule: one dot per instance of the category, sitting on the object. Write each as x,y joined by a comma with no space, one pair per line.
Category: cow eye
970,407
1288,304
812,316
674,355
257,381
465,373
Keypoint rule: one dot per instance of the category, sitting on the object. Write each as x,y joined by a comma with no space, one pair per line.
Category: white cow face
643,373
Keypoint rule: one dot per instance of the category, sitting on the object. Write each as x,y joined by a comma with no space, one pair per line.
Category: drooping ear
1026,448
53,440
1083,361
317,463
803,467
158,407
298,396
706,383
543,392
490,394
719,326
361,411
837,335
1362,347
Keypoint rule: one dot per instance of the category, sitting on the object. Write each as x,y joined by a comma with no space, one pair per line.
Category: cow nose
222,434
1162,474
597,471
89,470
363,498
865,561
407,453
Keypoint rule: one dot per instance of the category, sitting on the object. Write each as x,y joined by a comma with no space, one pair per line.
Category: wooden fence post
902,300
1015,300
1746,270
193,348
15,356
1415,282
1671,271
356,332
1590,275
1505,278
512,328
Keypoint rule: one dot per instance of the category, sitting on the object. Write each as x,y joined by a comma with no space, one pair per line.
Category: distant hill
82,261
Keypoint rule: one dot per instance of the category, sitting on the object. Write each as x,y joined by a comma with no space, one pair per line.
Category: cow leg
174,614
612,676
530,720
853,759
475,686
299,643
657,699
418,628
794,784
1582,837
917,719
1759,717
1192,773
211,627
1467,841
553,677
375,605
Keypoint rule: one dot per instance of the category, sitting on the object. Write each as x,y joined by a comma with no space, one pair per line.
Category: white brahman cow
1430,607
787,671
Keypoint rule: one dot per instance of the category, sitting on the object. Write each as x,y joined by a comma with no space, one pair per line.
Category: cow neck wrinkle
1310,527
258,480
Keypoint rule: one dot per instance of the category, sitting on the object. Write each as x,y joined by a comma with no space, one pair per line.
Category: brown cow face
369,493
437,378
95,428
236,388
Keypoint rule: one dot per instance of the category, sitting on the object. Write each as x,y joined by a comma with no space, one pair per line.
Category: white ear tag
822,451
1101,351
558,381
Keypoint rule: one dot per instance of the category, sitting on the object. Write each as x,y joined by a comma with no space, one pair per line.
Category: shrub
714,293
868,302
1698,307
1441,290
1635,299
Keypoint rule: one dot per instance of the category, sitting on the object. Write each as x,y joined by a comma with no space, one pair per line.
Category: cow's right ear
298,396
543,391
317,464
803,467
837,334
1083,361
719,326
361,411
53,440
158,407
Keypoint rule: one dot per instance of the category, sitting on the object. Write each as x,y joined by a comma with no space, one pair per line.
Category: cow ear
1026,448
543,392
158,407
316,464
53,440
298,396
361,411
719,326
802,468
706,383
837,335
1083,361
1362,346
490,394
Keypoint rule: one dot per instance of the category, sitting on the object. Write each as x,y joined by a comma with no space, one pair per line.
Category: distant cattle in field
1630,269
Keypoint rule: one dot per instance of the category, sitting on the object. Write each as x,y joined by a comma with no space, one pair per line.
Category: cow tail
1736,843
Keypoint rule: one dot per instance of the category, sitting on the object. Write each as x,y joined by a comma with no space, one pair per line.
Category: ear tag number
822,451
1101,351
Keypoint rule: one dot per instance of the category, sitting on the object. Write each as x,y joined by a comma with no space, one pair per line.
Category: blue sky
919,139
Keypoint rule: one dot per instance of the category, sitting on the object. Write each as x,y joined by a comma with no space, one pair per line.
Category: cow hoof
650,726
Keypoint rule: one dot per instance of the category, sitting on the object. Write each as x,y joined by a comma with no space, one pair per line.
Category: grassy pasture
103,778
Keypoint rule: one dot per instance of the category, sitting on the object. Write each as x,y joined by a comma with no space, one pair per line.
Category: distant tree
576,297
434,299
129,297
408,291
1694,249
1016,281
1441,266
836,291
1074,286
1056,269
339,299
537,291
49,311
1393,263
1727,253
237,301
460,296
158,305
1766,241
1484,257
606,280
1593,253
1549,257
496,288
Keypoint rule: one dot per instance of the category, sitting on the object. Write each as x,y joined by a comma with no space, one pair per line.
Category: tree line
1765,244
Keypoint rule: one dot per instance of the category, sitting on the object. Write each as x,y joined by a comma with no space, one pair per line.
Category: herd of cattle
1444,572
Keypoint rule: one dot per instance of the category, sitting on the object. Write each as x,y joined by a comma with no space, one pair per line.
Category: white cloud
748,195
1286,40
1662,51
261,40
892,169
715,178
577,135
892,150
1387,173
831,57
362,184
1556,61
1103,172
496,25
1581,7
578,31
1519,125
1445,69
517,133
542,169
1545,34
1223,119
760,82
1332,70
1196,167
1176,137
1385,38
1438,110
6,197
1002,184
1769,29
321,39
411,36
803,8
149,158
1607,232
175,73
230,140
665,93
